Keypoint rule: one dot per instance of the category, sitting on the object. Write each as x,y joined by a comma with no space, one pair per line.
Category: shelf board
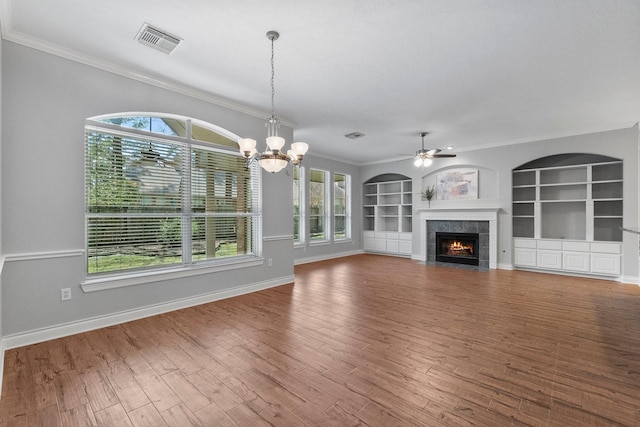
613,199
563,201
564,184
523,216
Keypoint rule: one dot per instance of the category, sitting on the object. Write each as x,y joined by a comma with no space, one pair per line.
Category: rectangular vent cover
354,135
157,39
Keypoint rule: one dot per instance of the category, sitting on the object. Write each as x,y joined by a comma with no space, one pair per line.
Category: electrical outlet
65,294
270,262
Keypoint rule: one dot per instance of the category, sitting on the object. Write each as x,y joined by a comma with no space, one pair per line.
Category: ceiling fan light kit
272,159
424,157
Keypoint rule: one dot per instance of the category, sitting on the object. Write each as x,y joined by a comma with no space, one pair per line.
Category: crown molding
10,35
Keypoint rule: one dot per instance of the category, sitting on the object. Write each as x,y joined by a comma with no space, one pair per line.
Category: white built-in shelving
387,216
579,202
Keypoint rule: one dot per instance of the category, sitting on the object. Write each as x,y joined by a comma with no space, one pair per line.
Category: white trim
120,281
43,255
323,242
277,238
308,260
345,240
66,329
632,280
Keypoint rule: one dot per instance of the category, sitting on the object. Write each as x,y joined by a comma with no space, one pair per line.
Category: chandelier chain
273,87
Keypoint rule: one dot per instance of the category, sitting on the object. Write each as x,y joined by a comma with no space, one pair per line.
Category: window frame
302,235
347,207
188,266
326,214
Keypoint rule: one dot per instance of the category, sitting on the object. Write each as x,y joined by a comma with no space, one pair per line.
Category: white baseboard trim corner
631,280
66,329
307,260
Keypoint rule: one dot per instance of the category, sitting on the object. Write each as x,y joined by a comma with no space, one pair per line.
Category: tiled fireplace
484,222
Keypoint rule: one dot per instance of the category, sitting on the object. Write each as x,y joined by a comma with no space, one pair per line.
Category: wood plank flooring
360,341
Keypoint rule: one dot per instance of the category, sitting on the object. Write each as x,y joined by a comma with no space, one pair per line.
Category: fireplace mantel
477,214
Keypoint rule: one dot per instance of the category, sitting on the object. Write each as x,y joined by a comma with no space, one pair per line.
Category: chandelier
272,159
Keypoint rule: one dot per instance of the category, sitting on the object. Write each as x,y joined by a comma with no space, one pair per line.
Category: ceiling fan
423,157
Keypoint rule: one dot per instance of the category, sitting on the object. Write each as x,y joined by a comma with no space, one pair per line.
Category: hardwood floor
363,340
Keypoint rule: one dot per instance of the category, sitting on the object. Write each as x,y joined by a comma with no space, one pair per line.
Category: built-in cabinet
567,214
600,258
387,215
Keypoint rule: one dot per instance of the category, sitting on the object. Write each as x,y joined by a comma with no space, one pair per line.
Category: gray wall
495,165
46,100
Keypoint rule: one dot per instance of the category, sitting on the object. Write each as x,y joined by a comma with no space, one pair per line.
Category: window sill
123,280
320,242
346,240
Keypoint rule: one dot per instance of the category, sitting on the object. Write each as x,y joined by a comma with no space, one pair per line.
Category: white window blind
156,201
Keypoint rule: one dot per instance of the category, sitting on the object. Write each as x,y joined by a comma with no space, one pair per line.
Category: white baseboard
503,266
631,280
307,260
66,329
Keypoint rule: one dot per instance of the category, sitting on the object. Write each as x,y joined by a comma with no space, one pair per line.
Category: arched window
165,191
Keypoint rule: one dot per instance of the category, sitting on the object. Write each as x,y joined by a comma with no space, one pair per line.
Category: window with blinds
318,205
158,198
298,205
341,206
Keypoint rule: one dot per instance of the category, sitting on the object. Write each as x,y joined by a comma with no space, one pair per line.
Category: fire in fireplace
460,248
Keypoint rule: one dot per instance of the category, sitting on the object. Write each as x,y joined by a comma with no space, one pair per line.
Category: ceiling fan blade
443,155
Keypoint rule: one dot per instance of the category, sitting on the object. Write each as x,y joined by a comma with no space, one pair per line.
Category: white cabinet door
369,244
608,264
380,245
392,246
525,257
576,261
404,247
550,259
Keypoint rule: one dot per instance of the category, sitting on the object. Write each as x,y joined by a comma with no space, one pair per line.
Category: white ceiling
472,73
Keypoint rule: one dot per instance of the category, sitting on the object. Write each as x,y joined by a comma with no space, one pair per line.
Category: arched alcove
568,213
387,214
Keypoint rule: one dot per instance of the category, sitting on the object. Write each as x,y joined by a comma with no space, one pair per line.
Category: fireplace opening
460,248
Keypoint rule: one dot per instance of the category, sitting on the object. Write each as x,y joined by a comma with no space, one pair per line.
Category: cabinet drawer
405,236
555,245
575,246
606,248
524,243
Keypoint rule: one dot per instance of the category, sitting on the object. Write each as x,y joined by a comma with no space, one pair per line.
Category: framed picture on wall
457,184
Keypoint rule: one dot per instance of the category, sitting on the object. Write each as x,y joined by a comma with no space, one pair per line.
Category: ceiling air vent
157,39
354,135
